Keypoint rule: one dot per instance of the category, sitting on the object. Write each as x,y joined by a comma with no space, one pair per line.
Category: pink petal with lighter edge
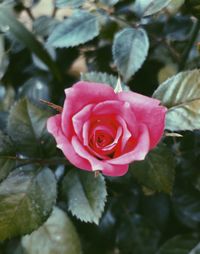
140,150
80,95
106,168
54,127
147,111
80,118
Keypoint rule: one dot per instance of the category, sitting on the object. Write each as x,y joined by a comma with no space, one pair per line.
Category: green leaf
180,244
136,235
70,3
130,50
79,28
27,128
149,7
57,236
181,94
109,2
7,97
4,61
27,196
100,77
44,25
155,6
7,18
6,152
157,170
35,89
86,195
186,206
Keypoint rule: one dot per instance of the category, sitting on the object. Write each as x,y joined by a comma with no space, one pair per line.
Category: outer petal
139,152
102,165
80,95
54,127
80,118
147,111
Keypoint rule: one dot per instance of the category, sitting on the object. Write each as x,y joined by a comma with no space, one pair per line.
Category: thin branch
28,10
52,105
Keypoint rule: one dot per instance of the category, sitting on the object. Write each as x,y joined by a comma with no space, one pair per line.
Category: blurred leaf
79,28
135,235
174,6
130,50
180,244
157,209
27,128
7,97
7,18
157,171
3,57
27,196
181,94
86,195
109,2
156,6
70,3
39,64
35,89
186,206
100,77
149,7
44,25
6,150
57,236
3,121
178,28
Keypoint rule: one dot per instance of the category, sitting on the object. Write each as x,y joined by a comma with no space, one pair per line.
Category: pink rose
99,129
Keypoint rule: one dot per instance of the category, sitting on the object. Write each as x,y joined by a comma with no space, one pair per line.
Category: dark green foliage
151,46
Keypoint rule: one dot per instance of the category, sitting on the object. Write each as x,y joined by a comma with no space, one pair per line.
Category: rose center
102,139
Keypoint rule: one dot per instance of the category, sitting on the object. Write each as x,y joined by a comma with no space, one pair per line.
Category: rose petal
54,127
80,95
122,109
126,133
106,168
147,111
80,118
140,150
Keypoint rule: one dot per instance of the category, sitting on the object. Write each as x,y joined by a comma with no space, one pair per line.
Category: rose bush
99,129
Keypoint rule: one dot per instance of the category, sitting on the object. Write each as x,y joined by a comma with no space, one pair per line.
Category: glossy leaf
181,94
27,128
155,6
130,50
70,3
44,25
157,171
7,155
180,244
27,196
35,89
79,28
57,236
86,195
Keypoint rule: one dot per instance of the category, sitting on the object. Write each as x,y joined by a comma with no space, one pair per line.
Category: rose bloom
100,130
